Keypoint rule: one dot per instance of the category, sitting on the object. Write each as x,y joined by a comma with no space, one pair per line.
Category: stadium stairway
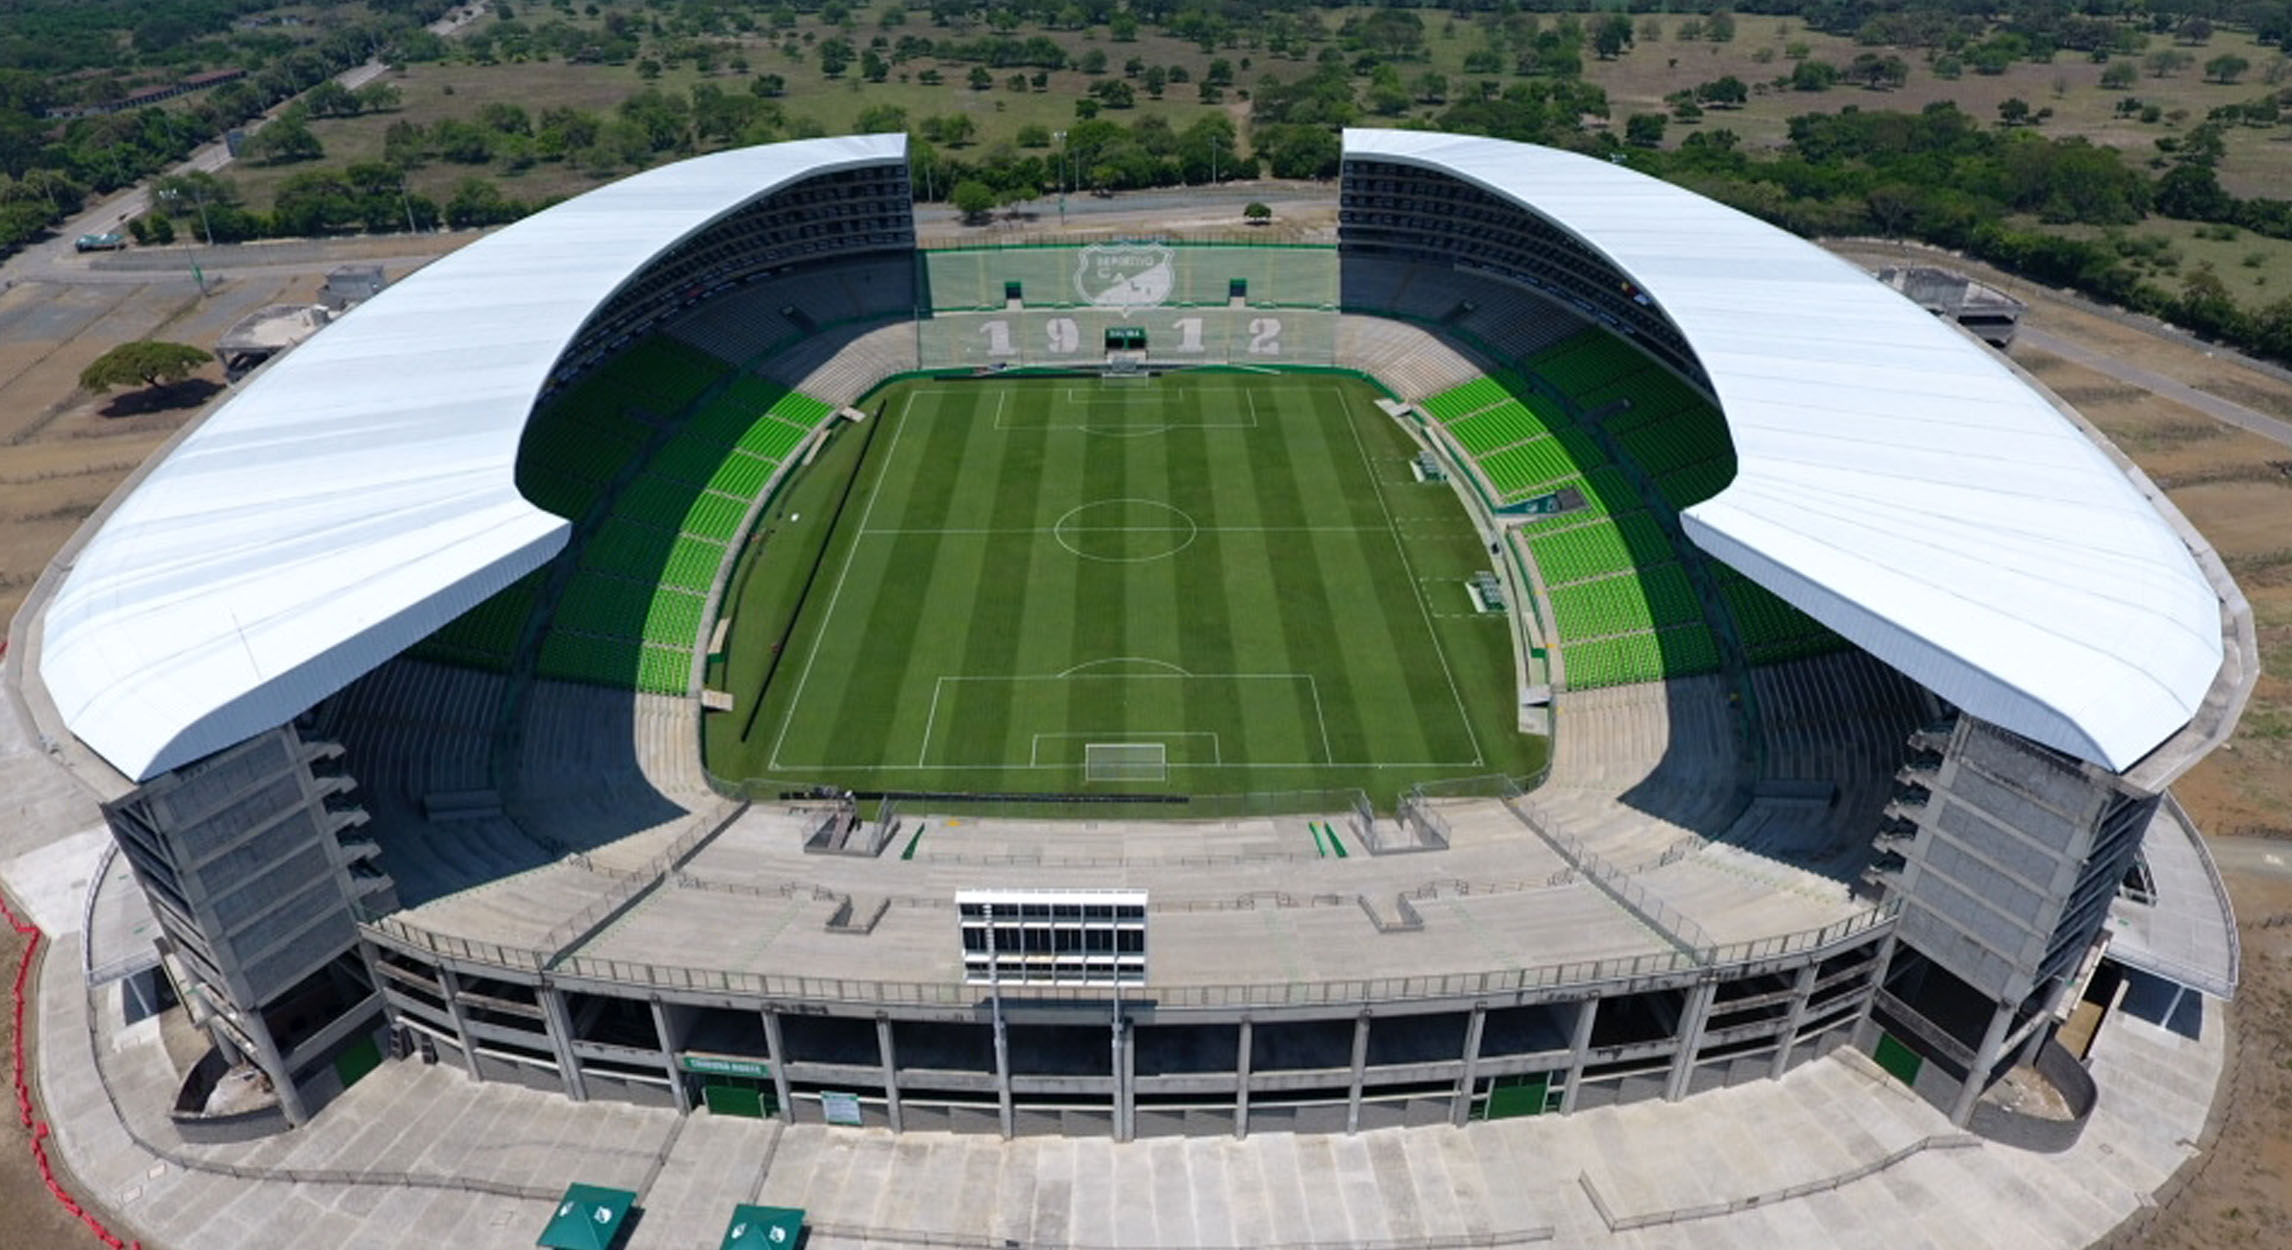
1410,361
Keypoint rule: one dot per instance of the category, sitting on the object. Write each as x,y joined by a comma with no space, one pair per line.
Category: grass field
1236,573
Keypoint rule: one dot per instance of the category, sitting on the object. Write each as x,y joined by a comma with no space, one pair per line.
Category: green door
1510,1096
1900,1062
357,1060
733,1095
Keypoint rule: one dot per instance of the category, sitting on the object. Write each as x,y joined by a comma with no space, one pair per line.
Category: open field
1236,573
2256,269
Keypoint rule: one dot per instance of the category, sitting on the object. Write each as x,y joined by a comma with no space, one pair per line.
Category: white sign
840,1108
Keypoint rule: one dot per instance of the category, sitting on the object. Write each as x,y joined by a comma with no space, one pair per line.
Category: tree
286,139
1612,36
1094,61
2120,76
1644,130
1257,213
1728,92
2014,111
2226,68
981,78
144,362
974,199
2166,63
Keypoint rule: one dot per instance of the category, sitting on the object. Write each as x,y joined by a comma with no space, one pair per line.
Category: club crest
1125,275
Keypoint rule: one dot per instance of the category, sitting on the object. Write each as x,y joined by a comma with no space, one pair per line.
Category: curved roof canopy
360,492
1895,480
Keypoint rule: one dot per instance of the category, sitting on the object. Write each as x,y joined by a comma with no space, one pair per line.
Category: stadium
1569,644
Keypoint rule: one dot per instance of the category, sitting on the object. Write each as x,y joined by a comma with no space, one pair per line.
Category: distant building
265,333
351,284
1988,312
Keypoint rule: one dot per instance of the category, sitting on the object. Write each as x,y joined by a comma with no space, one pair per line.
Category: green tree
981,78
1611,36
287,138
1257,213
2226,68
2120,76
974,199
2014,111
1727,92
144,362
1644,130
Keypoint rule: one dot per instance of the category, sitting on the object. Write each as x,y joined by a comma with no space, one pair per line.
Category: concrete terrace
403,1147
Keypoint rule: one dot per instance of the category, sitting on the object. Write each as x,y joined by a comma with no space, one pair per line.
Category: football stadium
1567,644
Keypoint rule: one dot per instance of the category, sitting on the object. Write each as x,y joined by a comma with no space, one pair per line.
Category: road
55,260
2156,383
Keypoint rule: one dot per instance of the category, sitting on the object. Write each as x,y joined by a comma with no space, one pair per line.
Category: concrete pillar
451,983
1878,970
1579,1049
1003,1076
1801,990
665,1030
559,1018
1985,1058
273,1063
779,1051
1469,1079
1692,1017
890,1058
1360,1068
1241,1079
1125,1081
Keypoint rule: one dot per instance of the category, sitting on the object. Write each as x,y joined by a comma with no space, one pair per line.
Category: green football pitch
1203,583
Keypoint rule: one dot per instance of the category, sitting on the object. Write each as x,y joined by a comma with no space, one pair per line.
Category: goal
1125,761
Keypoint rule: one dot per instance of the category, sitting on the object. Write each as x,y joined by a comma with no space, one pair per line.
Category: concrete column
1985,1058
270,1060
779,1051
1469,1079
890,1058
1003,1076
1801,990
559,1018
1692,1018
1878,969
1579,1049
451,984
1241,1079
1126,1082
665,1030
1360,1068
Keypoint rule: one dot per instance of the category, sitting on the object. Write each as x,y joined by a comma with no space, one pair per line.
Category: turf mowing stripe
1206,643
989,579
1302,612
1397,696
911,627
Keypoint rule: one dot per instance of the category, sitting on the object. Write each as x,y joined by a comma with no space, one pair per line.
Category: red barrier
39,1128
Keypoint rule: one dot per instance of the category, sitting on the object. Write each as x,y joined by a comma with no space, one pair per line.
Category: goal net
1125,761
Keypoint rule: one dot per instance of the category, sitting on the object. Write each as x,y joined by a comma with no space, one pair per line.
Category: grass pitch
987,580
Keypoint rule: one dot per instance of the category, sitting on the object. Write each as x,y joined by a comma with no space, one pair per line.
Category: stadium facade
240,653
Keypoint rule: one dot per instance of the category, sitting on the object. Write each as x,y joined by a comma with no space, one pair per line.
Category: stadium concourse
1630,689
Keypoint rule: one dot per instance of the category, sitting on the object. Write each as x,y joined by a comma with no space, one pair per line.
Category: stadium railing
1619,972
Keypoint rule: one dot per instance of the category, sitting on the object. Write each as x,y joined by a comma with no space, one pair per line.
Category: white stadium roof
360,492
1896,481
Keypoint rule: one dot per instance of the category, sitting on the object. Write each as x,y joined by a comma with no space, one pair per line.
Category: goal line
1125,761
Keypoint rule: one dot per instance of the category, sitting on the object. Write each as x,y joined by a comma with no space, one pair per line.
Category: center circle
1125,531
